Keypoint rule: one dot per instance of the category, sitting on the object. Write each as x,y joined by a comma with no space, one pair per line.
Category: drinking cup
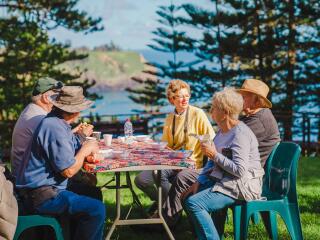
96,135
107,139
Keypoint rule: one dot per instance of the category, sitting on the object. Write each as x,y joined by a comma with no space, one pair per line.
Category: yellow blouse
198,123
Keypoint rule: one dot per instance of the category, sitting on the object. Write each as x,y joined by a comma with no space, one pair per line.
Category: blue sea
114,103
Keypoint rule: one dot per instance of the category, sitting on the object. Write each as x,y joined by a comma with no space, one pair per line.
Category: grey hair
36,98
228,101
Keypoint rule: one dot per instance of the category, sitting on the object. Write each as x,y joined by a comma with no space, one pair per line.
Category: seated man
28,121
258,116
57,155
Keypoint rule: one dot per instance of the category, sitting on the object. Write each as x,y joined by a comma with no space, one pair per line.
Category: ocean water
113,103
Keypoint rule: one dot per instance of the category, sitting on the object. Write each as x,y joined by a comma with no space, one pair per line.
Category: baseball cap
45,84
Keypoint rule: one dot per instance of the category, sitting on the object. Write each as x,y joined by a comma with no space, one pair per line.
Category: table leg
135,199
118,210
121,222
158,182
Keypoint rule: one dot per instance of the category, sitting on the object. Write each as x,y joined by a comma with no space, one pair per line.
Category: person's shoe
152,209
148,227
155,214
173,221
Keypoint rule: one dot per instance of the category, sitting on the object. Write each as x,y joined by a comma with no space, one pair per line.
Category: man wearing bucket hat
57,155
258,116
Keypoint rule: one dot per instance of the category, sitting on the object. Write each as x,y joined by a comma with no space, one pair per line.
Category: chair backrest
267,166
283,170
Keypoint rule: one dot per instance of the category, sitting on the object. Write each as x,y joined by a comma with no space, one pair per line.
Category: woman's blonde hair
228,101
176,85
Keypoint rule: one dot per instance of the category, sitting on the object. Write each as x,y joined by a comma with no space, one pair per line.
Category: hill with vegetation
112,70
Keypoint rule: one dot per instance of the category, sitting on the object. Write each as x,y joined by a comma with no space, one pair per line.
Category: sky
128,23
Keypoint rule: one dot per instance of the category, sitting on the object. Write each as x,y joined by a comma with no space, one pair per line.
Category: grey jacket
8,208
237,166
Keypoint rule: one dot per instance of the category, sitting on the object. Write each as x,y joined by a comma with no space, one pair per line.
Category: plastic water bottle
128,129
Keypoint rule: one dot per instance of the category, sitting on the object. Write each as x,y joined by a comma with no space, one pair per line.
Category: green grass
309,197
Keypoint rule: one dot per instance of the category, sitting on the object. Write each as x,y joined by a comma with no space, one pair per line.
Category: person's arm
240,147
166,131
205,126
87,148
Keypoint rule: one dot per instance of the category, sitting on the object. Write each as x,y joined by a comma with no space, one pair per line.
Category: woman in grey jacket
233,171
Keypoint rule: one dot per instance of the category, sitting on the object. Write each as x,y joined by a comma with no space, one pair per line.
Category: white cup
107,139
96,135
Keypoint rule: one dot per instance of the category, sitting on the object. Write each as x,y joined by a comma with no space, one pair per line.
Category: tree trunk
223,80
290,76
260,51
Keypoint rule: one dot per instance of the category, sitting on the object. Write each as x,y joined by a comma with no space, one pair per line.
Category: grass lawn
309,203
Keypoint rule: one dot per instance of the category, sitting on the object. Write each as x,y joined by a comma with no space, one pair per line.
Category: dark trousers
172,206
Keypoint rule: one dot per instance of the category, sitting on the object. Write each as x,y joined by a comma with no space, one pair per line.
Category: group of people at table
47,156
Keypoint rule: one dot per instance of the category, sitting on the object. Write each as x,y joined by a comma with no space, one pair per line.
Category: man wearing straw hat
56,156
258,116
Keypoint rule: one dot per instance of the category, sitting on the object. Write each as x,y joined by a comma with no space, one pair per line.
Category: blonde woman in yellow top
185,120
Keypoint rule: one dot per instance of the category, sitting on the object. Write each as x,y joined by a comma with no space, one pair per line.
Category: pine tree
275,41
28,53
170,39
214,47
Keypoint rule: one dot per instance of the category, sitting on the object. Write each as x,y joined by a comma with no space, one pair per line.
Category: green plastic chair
280,191
237,210
29,221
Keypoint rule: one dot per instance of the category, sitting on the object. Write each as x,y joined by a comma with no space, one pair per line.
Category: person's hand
168,148
83,129
90,147
193,189
77,128
86,129
209,149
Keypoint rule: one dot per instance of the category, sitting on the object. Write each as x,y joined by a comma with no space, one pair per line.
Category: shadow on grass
128,232
308,170
309,203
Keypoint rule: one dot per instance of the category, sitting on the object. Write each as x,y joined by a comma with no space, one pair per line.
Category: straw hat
258,88
71,99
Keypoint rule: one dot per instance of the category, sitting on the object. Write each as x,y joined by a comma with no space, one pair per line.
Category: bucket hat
71,99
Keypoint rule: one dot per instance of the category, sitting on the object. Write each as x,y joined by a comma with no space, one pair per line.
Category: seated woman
178,125
233,171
